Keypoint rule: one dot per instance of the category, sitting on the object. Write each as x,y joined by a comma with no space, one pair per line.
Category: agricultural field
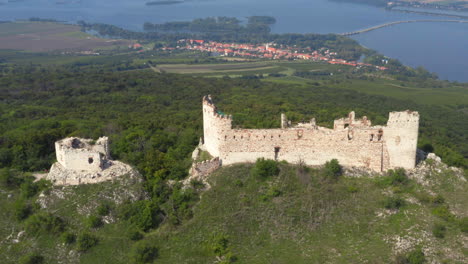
48,36
216,69
338,77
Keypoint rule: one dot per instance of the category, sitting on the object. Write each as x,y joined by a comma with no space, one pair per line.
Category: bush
68,238
439,230
271,193
85,241
265,168
94,221
220,247
238,183
220,244
33,258
44,223
9,179
463,224
352,189
197,184
428,148
28,189
22,210
103,209
416,257
397,177
413,257
143,252
179,206
443,212
143,214
394,202
135,235
332,169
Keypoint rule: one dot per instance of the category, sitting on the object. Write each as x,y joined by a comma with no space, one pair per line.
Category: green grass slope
301,216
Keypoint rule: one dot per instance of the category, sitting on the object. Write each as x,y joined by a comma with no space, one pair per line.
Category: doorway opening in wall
277,149
90,160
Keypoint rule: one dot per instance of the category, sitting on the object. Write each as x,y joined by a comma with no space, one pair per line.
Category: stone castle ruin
353,142
82,161
82,154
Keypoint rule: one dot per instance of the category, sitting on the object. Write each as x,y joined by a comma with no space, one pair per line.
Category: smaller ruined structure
82,154
81,161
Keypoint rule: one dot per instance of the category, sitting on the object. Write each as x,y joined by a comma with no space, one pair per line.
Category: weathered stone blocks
354,142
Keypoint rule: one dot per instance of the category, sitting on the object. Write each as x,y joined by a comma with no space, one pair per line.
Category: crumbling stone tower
82,154
401,135
354,142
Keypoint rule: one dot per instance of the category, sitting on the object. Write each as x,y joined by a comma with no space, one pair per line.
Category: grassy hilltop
300,215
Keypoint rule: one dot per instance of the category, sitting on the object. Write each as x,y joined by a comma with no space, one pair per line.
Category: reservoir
439,47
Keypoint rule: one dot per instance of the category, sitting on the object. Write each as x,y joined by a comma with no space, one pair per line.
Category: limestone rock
60,175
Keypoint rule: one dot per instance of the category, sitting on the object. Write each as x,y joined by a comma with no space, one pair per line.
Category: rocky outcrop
432,165
59,175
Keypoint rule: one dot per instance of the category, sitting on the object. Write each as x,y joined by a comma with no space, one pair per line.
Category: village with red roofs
265,51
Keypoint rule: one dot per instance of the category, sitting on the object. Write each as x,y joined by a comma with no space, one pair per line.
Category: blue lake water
439,47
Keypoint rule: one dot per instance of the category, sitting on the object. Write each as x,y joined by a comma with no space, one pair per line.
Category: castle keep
353,142
82,154
81,161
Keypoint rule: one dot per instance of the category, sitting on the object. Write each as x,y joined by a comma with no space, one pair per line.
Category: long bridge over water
399,22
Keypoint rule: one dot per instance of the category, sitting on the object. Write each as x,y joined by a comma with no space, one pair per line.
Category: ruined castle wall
204,168
352,141
312,146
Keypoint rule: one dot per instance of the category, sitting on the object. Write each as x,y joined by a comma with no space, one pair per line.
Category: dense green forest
144,113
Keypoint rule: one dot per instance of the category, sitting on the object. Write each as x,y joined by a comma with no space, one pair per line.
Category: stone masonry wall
352,141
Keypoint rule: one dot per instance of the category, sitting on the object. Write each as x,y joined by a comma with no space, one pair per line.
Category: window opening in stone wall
371,137
379,136
346,125
277,149
90,160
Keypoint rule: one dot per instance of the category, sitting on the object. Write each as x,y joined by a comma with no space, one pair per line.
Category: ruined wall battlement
354,142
